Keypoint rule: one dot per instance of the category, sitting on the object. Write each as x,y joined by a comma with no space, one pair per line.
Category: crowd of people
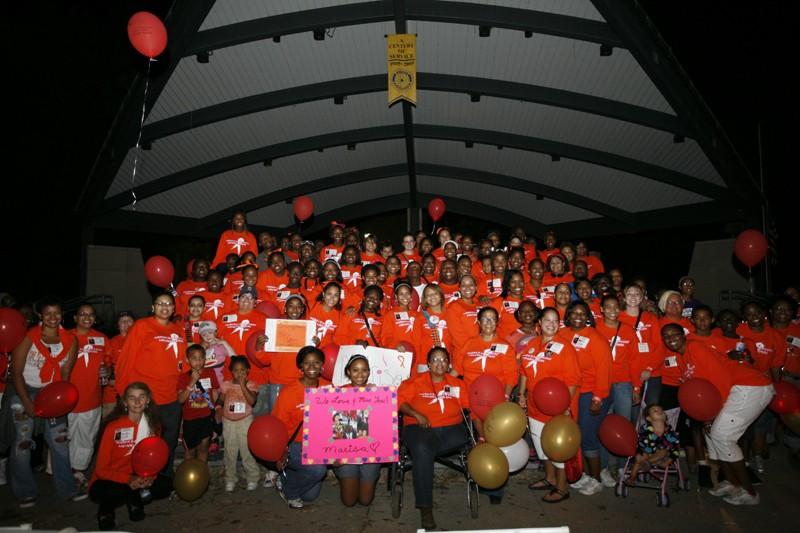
464,307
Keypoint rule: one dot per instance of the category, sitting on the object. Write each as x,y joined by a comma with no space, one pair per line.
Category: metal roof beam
383,11
426,81
408,121
442,171
424,131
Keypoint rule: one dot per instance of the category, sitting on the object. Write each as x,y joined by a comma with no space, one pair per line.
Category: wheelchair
456,461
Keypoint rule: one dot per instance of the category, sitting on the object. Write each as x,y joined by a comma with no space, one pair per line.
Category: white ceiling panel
545,211
281,214
573,8
207,196
619,189
567,126
233,11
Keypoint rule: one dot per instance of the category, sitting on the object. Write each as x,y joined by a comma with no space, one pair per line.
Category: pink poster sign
350,425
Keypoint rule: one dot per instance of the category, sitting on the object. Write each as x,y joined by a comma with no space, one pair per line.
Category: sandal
541,484
562,495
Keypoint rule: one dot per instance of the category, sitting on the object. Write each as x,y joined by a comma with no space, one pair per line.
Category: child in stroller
658,443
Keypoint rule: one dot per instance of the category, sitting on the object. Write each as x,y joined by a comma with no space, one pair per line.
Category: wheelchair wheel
396,488
472,498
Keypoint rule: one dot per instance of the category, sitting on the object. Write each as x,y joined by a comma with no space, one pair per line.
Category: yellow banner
401,51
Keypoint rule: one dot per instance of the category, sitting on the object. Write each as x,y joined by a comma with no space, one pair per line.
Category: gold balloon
561,438
191,479
792,421
505,424
488,466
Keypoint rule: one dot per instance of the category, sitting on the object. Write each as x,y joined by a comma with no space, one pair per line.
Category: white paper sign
288,335
386,367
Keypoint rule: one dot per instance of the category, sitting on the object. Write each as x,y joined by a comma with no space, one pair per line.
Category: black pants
171,415
425,445
109,494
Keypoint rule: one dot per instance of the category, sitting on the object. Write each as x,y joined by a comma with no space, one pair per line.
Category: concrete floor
263,509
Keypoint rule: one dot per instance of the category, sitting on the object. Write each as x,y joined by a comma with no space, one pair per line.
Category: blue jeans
22,482
590,424
621,404
302,481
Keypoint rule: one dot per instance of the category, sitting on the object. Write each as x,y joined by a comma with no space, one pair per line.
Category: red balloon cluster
147,34
750,247
436,209
159,271
699,399
12,329
331,352
484,393
250,348
303,207
551,396
56,399
618,435
267,438
787,398
269,309
149,456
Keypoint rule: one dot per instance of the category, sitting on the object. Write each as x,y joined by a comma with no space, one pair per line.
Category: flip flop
563,495
545,485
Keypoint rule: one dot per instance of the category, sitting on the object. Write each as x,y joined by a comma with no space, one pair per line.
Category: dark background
68,66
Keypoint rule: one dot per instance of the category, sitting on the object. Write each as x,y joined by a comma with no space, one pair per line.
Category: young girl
198,390
215,297
191,324
658,442
125,320
114,483
402,324
217,350
326,313
238,397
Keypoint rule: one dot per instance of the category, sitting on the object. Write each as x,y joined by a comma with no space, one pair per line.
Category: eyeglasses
438,361
164,304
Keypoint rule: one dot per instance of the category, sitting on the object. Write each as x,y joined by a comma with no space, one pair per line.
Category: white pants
742,407
82,431
536,434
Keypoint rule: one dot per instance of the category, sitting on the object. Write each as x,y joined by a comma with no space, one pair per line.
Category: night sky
69,64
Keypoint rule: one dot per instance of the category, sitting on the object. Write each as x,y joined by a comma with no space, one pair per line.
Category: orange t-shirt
495,357
354,328
451,292
594,264
310,289
152,353
540,297
236,328
462,322
550,282
441,403
327,323
270,283
770,347
93,350
594,360
625,350
491,286
290,405
398,326
114,349
650,346
186,289
114,453
545,253
552,359
506,308
405,259
233,283
351,277
791,335
215,305
435,332
234,242
330,252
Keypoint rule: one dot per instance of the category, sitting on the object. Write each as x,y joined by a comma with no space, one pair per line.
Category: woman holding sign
433,425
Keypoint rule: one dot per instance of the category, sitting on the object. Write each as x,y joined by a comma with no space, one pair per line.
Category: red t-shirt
594,360
236,328
114,454
290,406
200,402
234,242
93,350
355,328
791,335
649,343
441,403
327,323
186,289
625,350
114,349
553,359
477,357
770,347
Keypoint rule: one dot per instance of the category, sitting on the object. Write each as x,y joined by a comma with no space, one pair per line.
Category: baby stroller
648,472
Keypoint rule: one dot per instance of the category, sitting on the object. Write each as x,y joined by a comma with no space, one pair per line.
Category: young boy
198,390
658,442
239,395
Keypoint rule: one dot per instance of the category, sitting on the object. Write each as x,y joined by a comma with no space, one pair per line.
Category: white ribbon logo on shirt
174,339
242,328
237,245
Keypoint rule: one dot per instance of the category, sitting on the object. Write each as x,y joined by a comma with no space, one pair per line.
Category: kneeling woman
114,483
357,482
303,482
434,424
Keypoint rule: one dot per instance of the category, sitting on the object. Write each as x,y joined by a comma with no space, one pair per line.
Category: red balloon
147,34
267,438
159,271
618,435
331,352
436,209
484,393
250,348
269,309
699,399
551,396
149,456
56,399
407,346
750,247
787,398
303,207
12,329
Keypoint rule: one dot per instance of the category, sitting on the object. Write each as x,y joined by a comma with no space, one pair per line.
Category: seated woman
357,482
432,428
114,483
302,483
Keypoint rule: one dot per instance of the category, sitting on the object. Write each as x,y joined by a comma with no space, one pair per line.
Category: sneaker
591,488
252,485
742,497
79,496
607,478
27,503
136,513
230,486
270,479
758,464
724,488
581,482
295,503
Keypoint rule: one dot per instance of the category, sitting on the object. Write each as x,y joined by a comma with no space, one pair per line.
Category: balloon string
141,126
433,230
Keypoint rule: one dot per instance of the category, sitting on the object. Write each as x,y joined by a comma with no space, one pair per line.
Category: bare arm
249,395
72,356
18,357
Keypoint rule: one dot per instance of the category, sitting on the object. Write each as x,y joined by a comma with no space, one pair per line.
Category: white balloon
517,455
